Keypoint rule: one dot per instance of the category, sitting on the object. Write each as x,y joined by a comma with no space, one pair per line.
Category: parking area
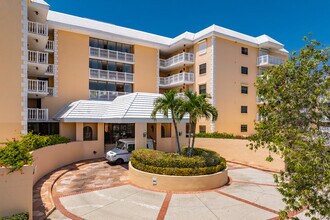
98,190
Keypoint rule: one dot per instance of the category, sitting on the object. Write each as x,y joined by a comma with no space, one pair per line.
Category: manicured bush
201,163
220,135
15,154
20,216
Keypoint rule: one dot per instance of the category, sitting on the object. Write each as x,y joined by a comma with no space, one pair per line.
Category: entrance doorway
152,133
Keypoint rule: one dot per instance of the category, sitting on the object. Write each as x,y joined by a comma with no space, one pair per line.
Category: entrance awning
131,108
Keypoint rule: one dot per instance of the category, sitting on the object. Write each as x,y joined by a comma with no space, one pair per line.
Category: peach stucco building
62,74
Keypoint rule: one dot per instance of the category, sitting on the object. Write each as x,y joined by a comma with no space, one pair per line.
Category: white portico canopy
132,108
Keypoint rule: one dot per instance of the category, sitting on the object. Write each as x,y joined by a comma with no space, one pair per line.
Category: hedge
201,163
220,135
16,153
20,216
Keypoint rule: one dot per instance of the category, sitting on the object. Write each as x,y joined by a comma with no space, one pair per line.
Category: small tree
296,97
197,106
170,102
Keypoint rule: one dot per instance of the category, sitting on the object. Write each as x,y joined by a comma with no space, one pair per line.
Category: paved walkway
97,190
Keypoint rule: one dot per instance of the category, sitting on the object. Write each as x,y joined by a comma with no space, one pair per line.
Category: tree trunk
193,140
176,135
189,140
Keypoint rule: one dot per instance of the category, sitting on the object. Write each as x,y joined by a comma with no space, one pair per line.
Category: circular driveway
97,190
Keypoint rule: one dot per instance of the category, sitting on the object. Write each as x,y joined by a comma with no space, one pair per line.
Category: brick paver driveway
97,190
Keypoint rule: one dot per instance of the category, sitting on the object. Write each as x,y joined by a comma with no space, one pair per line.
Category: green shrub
34,141
201,163
20,216
220,135
15,154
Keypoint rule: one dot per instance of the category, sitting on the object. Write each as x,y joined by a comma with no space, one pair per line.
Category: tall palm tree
197,106
170,102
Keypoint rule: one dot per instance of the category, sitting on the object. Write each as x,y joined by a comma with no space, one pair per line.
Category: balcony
37,88
105,95
50,70
37,28
107,75
177,61
37,114
111,55
37,57
268,61
50,46
50,91
176,80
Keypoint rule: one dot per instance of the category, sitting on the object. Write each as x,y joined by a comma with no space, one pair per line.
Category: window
244,89
130,147
202,68
244,109
202,89
110,45
244,50
244,128
88,133
187,130
244,70
44,128
202,48
202,129
165,130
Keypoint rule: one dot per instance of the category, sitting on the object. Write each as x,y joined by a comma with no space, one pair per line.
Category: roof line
130,105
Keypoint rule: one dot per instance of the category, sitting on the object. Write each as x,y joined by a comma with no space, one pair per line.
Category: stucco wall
73,71
236,151
16,191
145,69
11,70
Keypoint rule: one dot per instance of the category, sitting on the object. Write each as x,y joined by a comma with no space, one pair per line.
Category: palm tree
197,106
170,102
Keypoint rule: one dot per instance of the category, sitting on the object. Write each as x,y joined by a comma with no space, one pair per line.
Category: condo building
93,81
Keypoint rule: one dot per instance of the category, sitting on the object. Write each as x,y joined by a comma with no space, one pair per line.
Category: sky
287,21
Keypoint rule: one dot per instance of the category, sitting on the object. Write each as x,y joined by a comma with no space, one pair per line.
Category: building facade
50,60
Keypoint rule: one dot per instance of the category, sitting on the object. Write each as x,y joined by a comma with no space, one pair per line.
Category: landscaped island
158,170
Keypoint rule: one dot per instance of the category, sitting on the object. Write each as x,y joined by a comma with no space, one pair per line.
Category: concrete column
100,132
182,137
140,135
79,131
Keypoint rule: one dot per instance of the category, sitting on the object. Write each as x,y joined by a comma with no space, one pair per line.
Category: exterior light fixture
145,134
36,12
180,133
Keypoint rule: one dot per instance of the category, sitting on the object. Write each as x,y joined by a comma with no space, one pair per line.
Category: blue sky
285,20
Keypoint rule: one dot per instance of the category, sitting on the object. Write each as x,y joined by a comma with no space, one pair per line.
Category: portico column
140,135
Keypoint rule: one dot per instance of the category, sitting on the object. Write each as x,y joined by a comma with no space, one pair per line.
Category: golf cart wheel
119,161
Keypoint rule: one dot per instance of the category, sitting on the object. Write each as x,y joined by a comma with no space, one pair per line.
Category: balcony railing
98,74
176,80
50,45
37,86
105,95
267,60
50,69
37,57
182,57
50,91
111,54
37,114
37,28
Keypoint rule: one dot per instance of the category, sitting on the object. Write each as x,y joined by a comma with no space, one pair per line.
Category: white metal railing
50,69
177,59
111,54
37,86
105,95
269,60
37,57
50,91
37,114
37,28
50,45
179,78
98,74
